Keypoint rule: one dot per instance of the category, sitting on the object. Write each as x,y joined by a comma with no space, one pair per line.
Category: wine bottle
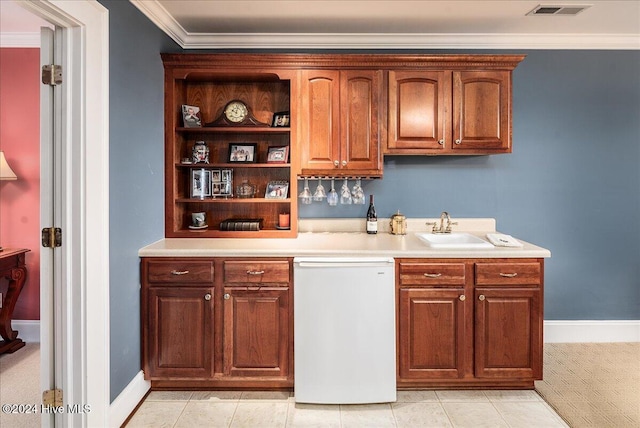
372,218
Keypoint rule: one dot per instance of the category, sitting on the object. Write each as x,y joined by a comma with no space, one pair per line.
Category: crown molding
163,20
19,40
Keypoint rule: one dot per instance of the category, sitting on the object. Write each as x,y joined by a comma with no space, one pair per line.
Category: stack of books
241,224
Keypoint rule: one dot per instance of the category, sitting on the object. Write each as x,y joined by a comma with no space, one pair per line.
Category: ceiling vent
567,10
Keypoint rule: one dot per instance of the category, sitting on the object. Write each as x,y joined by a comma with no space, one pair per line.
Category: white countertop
343,238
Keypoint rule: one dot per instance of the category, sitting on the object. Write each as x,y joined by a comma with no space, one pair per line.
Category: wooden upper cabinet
418,108
340,122
482,111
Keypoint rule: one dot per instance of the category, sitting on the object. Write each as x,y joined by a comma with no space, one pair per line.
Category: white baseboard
127,400
592,331
28,330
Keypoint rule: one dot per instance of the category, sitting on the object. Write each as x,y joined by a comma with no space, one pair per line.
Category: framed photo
242,152
280,118
222,183
200,183
278,154
191,116
277,190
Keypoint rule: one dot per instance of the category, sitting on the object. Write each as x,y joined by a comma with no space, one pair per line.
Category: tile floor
278,409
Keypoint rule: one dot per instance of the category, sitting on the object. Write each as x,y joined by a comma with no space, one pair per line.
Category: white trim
163,20
592,331
128,399
19,40
28,330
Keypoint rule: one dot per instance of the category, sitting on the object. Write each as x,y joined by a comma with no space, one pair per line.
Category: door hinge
52,74
51,237
52,398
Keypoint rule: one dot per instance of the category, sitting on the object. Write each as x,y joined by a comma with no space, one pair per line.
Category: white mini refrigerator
345,332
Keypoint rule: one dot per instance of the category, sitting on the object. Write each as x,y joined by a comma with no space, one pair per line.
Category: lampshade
6,173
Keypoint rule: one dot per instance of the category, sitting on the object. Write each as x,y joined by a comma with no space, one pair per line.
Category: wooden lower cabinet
469,322
217,323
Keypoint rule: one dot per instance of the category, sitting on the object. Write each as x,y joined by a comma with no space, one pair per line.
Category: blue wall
572,183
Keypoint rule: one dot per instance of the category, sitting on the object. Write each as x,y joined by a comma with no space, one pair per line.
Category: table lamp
6,173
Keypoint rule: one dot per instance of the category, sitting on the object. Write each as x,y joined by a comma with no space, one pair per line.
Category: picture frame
281,119
242,152
277,190
200,183
191,117
222,183
278,154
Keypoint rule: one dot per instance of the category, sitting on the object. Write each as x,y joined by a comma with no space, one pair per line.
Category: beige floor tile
313,415
461,396
527,415
473,415
216,396
417,396
512,395
366,415
205,414
411,415
265,395
169,396
252,414
155,414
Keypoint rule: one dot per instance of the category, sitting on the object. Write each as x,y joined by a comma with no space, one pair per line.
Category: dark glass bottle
372,218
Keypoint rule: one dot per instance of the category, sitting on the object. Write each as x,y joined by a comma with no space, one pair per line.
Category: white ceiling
375,24
393,24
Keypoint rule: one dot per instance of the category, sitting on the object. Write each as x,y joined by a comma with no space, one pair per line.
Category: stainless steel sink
459,240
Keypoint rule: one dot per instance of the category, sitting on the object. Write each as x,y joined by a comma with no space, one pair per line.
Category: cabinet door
508,333
360,92
419,112
481,111
256,332
180,332
320,120
431,333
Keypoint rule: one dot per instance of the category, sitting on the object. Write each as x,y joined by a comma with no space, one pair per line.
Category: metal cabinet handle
344,163
441,142
336,163
179,272
433,275
509,275
458,141
462,298
481,297
255,272
226,296
207,297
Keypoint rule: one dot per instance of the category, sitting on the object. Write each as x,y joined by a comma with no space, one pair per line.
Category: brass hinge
51,237
52,397
52,74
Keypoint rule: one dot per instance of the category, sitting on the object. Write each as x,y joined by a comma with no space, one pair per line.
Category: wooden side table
12,267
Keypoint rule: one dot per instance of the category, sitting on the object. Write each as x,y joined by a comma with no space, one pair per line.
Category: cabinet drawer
178,271
508,273
432,273
247,271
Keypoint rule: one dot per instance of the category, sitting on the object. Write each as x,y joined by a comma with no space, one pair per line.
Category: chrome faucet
442,228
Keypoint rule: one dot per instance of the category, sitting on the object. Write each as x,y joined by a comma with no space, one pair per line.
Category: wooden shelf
234,201
233,165
236,130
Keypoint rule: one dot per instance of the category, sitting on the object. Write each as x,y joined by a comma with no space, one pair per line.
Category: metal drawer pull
207,297
255,272
433,275
179,272
462,298
226,296
509,275
481,297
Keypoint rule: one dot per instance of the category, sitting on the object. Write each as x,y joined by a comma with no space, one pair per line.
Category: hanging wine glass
357,193
305,195
320,193
345,194
332,197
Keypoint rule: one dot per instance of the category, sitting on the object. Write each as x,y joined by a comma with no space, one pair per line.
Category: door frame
84,199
